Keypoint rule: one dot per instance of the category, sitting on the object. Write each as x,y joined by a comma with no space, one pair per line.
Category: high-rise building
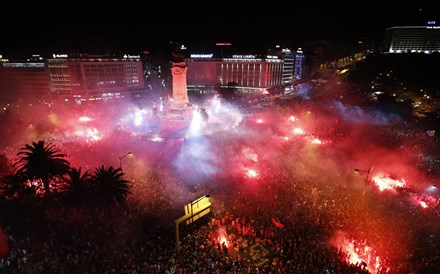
95,77
288,64
299,65
424,39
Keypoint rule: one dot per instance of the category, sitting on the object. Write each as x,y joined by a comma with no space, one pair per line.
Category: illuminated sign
24,65
272,57
131,56
193,211
243,56
223,44
59,55
202,55
197,208
431,22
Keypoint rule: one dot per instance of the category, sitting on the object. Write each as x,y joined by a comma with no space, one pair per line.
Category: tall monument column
180,91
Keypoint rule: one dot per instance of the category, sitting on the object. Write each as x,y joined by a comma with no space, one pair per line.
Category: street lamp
122,157
366,171
366,179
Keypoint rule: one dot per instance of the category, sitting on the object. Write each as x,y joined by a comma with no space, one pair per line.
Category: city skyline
124,25
130,145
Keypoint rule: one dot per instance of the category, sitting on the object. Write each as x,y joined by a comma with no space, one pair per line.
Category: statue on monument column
177,55
178,71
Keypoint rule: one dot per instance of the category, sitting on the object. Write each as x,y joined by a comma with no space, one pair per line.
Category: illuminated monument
177,119
180,108
180,91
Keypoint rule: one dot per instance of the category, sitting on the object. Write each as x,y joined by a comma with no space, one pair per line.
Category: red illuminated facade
241,71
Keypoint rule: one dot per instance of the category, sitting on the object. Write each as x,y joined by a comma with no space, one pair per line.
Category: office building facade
94,76
298,67
288,65
245,72
23,79
414,39
81,77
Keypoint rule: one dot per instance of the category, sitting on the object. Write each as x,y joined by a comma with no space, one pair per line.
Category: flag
276,223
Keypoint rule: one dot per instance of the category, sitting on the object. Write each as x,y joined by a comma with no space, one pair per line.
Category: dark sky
129,25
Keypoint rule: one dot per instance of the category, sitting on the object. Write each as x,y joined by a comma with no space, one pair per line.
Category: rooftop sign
201,55
60,55
243,56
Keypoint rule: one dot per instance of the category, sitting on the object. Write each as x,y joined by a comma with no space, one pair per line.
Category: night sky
128,25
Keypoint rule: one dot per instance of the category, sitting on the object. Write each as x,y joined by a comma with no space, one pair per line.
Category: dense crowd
283,221
139,240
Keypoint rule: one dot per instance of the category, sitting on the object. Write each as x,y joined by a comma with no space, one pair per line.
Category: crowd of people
266,230
285,220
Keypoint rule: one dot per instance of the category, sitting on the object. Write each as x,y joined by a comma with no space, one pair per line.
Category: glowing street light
122,157
366,171
366,179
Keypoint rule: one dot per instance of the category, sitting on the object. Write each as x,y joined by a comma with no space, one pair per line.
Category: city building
244,72
90,77
23,78
288,64
415,39
78,77
298,67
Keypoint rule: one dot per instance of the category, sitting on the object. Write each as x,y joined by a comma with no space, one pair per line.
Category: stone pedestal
180,107
180,91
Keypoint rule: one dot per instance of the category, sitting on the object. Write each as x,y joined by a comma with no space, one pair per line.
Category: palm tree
111,189
77,187
42,163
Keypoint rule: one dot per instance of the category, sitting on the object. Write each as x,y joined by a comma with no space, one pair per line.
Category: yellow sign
193,211
198,215
196,206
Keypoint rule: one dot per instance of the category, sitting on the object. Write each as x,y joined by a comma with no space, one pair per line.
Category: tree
77,188
13,186
111,189
41,163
